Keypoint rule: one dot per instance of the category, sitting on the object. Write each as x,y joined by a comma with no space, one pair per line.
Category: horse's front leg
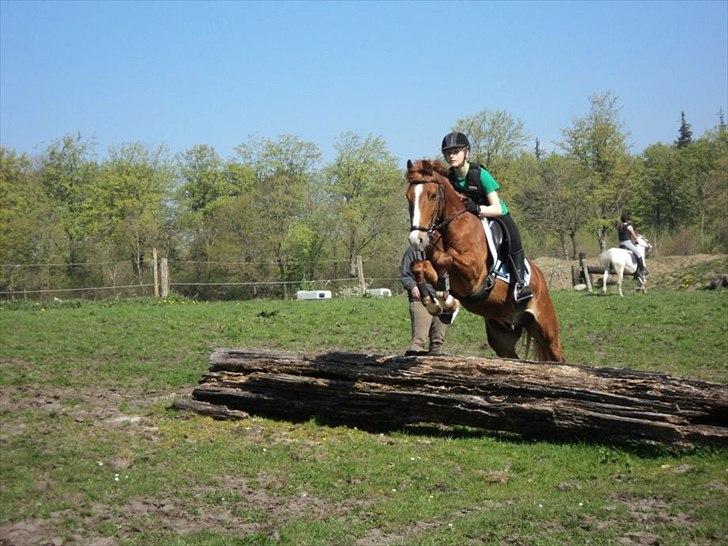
442,261
424,272
620,277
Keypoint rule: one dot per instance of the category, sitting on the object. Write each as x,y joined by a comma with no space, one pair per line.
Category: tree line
273,212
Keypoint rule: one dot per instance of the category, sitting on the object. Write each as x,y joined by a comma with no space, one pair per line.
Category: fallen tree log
533,400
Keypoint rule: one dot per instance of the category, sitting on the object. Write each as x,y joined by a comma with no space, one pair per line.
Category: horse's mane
425,170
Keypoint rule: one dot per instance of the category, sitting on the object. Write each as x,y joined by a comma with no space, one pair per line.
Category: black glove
471,206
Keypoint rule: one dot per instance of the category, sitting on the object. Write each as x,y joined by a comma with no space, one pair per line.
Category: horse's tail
605,259
544,330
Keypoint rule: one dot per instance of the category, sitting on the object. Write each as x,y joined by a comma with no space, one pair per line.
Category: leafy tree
716,202
685,133
125,206
597,142
283,194
664,199
555,204
67,171
496,138
202,177
289,156
214,203
29,229
698,164
364,186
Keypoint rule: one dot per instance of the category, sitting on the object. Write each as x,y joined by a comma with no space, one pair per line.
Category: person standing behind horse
481,190
628,240
428,332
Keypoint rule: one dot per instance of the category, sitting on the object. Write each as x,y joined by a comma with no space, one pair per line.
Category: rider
480,188
628,240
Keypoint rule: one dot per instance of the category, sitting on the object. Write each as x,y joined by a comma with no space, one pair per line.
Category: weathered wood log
215,411
534,400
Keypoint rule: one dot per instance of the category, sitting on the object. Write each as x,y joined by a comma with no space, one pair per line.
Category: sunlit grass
87,437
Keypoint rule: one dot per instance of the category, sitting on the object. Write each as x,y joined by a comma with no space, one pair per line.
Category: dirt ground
558,272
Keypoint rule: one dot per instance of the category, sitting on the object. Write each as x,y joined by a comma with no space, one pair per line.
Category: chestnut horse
454,242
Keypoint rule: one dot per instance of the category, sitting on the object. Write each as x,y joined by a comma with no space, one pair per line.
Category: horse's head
426,193
643,241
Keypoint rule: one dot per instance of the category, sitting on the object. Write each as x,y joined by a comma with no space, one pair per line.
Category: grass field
90,452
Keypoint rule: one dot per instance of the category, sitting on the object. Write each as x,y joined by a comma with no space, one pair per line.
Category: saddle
632,255
498,261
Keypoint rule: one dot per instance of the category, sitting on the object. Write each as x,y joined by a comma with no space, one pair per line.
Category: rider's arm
490,188
632,234
493,208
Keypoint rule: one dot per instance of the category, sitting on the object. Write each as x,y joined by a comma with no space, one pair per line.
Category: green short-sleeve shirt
488,183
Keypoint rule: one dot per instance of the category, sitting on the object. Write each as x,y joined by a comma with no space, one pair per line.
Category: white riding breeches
639,251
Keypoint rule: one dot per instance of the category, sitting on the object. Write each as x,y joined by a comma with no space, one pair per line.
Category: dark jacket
407,278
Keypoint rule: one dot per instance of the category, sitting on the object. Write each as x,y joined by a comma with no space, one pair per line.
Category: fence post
585,271
360,273
165,276
156,273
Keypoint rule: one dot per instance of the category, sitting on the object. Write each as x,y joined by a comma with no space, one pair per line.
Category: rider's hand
415,293
471,206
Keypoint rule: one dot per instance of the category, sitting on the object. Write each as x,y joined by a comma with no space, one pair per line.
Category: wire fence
198,279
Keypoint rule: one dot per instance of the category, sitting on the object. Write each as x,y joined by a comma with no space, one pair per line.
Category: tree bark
533,400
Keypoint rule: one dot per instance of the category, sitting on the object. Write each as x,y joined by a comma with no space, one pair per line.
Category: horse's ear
409,164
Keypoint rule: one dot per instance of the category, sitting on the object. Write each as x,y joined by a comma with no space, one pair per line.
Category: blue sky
187,73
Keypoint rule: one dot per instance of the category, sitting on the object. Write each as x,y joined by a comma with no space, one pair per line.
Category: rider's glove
472,206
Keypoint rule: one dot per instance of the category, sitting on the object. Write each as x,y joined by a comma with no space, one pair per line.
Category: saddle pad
502,270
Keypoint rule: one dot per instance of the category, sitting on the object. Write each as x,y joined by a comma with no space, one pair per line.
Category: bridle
434,224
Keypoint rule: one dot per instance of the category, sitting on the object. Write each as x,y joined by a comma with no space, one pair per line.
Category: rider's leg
518,261
642,265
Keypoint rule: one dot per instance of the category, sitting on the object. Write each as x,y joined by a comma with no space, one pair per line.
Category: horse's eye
433,196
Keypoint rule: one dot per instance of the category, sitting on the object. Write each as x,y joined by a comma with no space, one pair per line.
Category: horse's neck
464,235
453,203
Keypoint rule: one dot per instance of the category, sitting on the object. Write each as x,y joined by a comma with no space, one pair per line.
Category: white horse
620,260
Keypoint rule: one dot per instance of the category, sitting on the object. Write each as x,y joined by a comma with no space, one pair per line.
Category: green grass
89,448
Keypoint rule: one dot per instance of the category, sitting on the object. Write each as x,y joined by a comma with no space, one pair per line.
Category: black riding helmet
455,140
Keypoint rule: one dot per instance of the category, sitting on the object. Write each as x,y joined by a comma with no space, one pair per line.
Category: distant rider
474,181
628,240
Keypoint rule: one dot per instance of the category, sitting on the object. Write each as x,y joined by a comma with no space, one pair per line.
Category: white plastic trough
313,295
379,292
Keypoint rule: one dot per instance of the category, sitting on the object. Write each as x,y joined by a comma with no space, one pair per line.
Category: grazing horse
620,260
454,242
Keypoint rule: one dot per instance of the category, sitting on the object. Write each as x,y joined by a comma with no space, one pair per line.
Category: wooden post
165,276
585,270
156,273
360,273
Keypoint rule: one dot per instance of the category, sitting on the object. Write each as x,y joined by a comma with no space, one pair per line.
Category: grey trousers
428,332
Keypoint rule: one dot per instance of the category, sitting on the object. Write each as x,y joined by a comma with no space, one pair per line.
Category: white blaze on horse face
418,239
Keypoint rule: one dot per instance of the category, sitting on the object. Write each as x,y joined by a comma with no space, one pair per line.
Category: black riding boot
518,270
641,267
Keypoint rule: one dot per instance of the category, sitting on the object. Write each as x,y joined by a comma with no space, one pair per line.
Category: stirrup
522,294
